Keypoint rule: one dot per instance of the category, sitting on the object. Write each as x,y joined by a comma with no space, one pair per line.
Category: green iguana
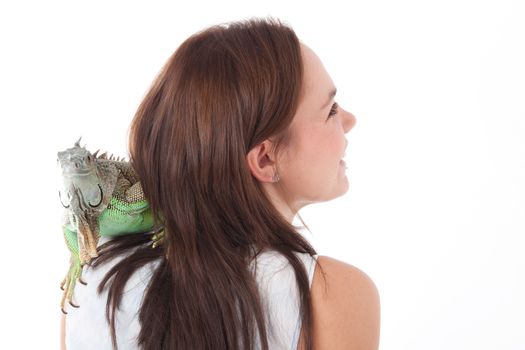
104,198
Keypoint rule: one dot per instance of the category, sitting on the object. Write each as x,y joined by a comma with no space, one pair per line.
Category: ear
261,161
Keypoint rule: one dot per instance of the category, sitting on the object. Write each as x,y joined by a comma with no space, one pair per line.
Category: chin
345,186
340,190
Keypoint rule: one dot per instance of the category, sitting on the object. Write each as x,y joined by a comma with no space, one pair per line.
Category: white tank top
87,328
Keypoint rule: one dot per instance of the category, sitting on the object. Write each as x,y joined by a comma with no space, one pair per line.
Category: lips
342,162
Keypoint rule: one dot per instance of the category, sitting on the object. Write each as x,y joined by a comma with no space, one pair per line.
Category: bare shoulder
346,307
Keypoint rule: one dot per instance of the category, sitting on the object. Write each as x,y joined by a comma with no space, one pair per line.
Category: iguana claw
158,238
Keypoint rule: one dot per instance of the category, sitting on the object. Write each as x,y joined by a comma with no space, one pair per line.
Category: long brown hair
222,92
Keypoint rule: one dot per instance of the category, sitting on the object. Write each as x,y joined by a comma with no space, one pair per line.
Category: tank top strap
280,296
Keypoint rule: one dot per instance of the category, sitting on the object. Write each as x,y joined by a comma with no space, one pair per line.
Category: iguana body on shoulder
103,197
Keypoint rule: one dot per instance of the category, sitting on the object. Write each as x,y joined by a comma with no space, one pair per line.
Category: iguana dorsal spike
77,144
103,155
95,154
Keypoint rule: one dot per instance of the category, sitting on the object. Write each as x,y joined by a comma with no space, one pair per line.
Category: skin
63,332
310,167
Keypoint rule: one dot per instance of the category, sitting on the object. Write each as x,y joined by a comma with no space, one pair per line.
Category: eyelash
333,111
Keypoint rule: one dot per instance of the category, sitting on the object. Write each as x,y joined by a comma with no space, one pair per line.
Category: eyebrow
331,94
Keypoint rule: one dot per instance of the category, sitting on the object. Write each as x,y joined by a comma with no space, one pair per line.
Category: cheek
314,151
312,163
318,152
324,147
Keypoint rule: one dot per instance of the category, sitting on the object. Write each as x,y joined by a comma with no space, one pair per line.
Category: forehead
317,82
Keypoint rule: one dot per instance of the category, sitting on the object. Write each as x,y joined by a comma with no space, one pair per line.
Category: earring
276,178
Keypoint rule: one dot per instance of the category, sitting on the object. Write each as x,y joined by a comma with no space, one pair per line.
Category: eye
333,110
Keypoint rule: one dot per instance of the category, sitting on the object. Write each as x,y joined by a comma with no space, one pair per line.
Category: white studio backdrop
435,213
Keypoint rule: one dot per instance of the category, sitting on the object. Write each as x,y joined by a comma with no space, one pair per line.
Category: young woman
237,133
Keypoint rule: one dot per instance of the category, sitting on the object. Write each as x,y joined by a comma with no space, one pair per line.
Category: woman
237,133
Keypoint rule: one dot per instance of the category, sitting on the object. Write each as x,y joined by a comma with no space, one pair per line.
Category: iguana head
76,161
79,172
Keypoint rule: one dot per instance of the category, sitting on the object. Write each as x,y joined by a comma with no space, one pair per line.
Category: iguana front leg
87,240
75,269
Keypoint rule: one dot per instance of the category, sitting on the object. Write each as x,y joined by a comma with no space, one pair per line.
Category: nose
349,121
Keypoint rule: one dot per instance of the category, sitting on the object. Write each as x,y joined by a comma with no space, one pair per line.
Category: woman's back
87,328
345,313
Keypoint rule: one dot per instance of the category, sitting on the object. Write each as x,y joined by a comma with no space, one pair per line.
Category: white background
435,213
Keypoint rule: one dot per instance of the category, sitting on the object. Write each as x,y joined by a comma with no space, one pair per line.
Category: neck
287,211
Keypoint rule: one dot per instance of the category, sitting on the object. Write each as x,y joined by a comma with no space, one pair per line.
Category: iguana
104,198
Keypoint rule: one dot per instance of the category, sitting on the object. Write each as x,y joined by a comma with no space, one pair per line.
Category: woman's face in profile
311,168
